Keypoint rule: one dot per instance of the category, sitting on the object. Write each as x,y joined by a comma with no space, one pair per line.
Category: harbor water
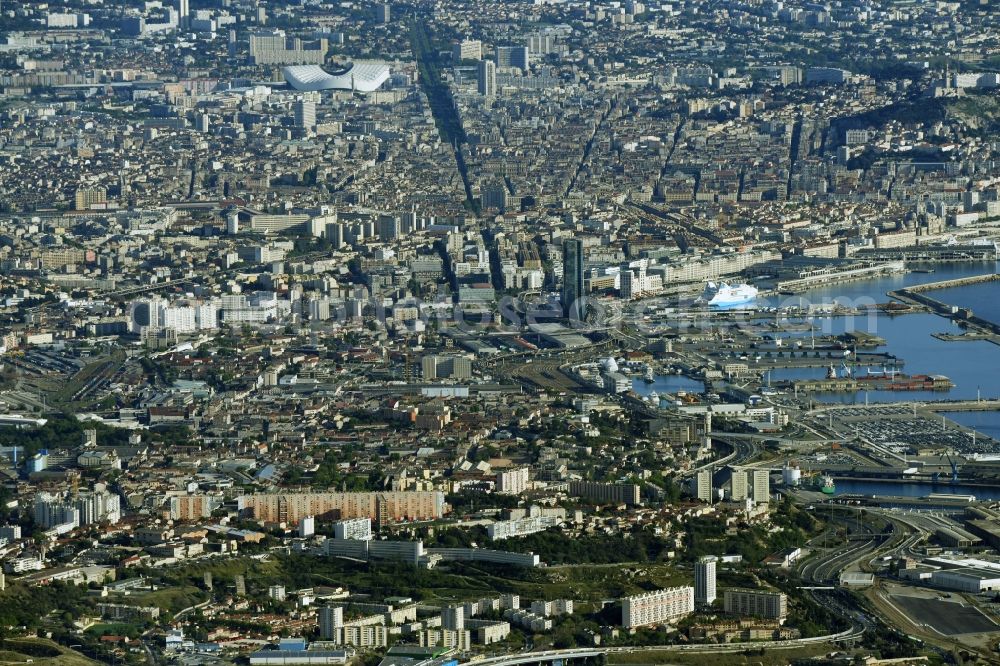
970,365
667,384
982,298
876,289
887,489
985,423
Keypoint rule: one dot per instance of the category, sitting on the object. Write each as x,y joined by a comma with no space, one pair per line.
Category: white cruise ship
723,295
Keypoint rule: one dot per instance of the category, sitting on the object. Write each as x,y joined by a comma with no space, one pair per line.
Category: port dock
880,382
930,253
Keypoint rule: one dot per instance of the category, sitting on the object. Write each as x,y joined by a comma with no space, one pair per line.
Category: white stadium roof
362,77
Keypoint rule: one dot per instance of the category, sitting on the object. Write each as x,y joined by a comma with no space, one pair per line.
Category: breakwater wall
916,295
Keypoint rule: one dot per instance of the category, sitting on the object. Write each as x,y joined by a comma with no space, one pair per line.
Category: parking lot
842,413
898,429
948,617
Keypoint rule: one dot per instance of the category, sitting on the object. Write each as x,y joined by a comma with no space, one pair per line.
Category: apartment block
512,482
657,607
610,493
380,506
359,529
192,507
761,486
756,603
446,638
274,48
701,486
467,49
704,579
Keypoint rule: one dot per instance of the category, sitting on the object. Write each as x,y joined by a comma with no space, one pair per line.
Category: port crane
954,469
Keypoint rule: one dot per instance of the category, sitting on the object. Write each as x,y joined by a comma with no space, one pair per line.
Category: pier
963,406
800,358
967,337
957,282
915,295
828,277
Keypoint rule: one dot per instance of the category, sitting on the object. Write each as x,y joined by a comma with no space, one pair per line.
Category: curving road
580,653
826,567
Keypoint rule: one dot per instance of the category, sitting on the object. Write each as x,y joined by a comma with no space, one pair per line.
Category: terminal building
969,579
961,574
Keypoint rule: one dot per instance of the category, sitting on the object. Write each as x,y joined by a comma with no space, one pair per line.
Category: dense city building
418,333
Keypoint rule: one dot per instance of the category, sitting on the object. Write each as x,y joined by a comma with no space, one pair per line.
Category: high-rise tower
574,307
